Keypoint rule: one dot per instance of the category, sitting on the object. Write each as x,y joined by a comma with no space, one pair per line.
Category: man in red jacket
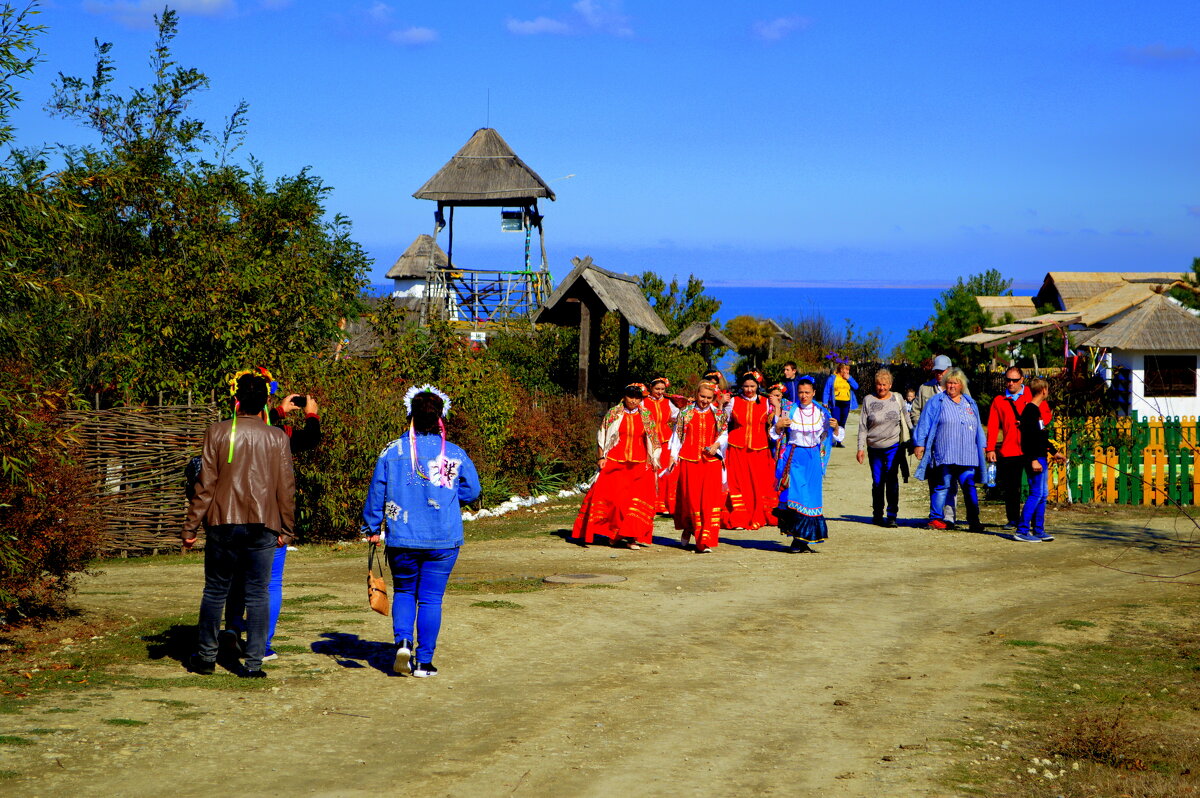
1004,441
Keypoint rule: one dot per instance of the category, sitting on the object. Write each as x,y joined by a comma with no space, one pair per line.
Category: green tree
224,267
753,338
677,306
956,314
1188,293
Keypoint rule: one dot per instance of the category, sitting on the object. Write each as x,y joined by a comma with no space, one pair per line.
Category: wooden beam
585,353
623,349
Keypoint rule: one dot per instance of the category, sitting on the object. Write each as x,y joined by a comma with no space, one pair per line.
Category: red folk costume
663,412
749,466
620,504
701,475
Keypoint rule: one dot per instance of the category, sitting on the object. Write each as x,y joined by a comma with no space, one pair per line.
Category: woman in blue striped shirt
950,441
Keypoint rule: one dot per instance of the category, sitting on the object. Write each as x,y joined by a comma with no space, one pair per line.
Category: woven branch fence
138,455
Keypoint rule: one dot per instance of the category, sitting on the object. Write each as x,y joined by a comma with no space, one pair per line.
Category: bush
49,513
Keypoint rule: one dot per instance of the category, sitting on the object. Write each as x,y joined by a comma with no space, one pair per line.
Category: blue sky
767,141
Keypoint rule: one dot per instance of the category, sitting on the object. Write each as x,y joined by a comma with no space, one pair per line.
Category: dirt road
749,671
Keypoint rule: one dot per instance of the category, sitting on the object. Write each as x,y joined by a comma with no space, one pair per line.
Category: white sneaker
404,658
424,669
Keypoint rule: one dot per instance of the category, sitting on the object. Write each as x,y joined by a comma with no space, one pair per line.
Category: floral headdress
666,383
272,387
426,388
835,359
758,377
442,470
637,386
777,386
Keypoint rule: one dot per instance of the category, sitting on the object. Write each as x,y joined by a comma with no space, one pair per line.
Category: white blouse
808,427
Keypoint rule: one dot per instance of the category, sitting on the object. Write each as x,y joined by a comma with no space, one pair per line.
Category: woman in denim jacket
413,503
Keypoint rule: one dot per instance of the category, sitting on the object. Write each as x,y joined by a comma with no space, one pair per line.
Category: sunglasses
1013,379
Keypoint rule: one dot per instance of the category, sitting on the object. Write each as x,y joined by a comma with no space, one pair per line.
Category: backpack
191,476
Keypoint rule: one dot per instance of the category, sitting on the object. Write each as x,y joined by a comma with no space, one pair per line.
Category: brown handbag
377,595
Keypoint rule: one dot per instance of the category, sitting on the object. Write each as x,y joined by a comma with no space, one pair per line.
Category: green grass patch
169,702
340,607
344,621
54,710
291,617
12,739
538,521
500,604
8,774
310,599
1073,624
1023,643
514,584
125,722
1115,717
291,649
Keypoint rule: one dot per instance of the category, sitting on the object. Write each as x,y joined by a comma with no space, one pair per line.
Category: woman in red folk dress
749,466
697,448
663,412
620,504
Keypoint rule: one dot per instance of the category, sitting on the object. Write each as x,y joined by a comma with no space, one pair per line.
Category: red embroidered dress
701,492
620,504
749,467
661,411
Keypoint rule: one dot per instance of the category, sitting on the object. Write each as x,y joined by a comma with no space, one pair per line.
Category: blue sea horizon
894,309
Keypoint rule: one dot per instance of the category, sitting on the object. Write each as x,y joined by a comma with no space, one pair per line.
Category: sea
894,310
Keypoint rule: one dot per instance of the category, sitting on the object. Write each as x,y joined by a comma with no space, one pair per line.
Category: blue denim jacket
408,509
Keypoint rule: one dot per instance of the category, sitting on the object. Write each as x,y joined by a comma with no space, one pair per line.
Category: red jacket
1003,417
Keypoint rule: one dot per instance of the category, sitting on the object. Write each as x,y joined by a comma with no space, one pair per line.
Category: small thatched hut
409,271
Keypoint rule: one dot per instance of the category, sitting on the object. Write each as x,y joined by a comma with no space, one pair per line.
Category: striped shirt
954,440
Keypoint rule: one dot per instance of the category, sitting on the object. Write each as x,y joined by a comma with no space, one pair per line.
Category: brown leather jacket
258,487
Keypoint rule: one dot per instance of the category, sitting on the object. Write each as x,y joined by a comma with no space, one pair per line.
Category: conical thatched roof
612,291
485,172
415,260
1156,325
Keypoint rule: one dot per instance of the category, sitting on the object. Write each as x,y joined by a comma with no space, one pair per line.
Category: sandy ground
748,671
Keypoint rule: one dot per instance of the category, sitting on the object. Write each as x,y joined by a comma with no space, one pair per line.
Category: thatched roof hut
995,307
583,298
1156,325
1068,290
485,172
414,263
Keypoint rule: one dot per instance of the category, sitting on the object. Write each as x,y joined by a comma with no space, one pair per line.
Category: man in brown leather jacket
246,501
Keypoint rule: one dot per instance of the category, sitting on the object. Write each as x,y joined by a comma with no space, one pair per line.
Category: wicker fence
138,455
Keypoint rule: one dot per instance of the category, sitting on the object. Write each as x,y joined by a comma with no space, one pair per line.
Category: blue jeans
235,607
419,578
240,552
885,463
1033,515
944,477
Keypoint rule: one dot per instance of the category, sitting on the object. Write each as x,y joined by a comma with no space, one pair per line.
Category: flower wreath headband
426,388
272,387
439,474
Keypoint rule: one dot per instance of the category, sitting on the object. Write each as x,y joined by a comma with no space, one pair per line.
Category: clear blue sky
758,141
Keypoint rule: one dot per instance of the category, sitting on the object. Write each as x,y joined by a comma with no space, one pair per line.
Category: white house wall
1158,405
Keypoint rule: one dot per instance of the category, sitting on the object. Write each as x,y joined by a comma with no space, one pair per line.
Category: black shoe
404,658
202,667
890,523
230,645
800,547
877,520
977,528
257,673
423,670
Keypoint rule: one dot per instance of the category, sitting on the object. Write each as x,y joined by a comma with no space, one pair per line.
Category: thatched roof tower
485,172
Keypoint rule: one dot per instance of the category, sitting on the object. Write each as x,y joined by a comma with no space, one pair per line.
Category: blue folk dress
804,458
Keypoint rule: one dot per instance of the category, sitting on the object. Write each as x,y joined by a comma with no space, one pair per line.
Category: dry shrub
551,443
1102,737
50,523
